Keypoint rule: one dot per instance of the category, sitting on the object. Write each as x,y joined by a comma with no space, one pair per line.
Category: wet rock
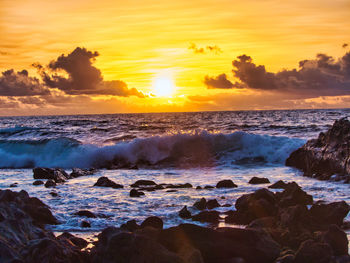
130,225
259,180
207,216
332,213
201,204
278,185
153,221
326,155
225,184
85,224
213,203
53,194
106,182
85,213
294,195
50,183
313,252
186,185
14,185
38,182
77,241
199,188
184,213
208,187
143,183
136,193
77,172
58,175
337,239
171,191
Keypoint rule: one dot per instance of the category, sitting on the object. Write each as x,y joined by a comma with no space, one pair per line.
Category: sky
86,57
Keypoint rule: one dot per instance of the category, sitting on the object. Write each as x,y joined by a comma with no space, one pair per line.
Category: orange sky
146,44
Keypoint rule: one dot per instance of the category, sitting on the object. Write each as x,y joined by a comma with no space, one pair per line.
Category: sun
163,86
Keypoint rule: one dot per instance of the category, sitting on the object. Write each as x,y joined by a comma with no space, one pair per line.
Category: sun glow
163,86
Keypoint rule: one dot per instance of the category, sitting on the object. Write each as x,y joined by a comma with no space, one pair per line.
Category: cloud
75,74
322,76
201,50
219,82
20,84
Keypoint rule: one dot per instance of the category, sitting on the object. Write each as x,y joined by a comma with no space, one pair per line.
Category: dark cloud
322,76
20,84
345,45
219,82
75,74
200,50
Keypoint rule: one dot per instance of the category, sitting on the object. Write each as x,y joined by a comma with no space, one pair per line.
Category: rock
208,187
221,245
77,241
14,185
207,216
135,193
326,155
225,184
258,180
294,195
53,194
337,239
201,204
143,183
313,252
186,185
171,191
213,203
130,225
85,213
58,175
199,188
184,213
77,172
332,213
106,182
38,182
85,224
50,183
278,185
153,221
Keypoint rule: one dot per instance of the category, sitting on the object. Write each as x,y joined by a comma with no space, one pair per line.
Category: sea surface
198,148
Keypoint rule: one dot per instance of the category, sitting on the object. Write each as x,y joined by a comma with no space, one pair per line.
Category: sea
200,148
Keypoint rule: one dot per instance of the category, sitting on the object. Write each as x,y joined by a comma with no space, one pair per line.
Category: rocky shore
282,226
327,157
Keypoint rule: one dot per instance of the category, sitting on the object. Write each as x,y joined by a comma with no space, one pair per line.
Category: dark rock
143,183
337,239
153,221
225,184
326,155
38,182
171,191
278,185
201,204
85,213
135,193
258,180
58,175
186,185
106,182
213,203
199,188
53,194
313,252
208,187
207,216
294,195
77,172
130,225
77,241
85,224
184,213
332,213
50,183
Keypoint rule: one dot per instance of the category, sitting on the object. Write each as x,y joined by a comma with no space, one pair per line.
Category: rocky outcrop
327,155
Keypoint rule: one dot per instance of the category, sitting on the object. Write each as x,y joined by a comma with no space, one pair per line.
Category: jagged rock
85,213
327,155
184,213
201,204
77,172
58,175
225,184
258,180
106,182
213,203
153,221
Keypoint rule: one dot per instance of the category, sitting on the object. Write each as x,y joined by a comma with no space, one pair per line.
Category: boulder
85,213
213,203
326,155
207,216
259,180
225,184
201,204
38,182
58,175
50,183
77,172
77,241
278,185
130,225
313,252
332,213
153,221
184,213
337,239
106,182
143,183
136,193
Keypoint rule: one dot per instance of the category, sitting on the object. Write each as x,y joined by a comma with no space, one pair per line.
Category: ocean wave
14,130
178,150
